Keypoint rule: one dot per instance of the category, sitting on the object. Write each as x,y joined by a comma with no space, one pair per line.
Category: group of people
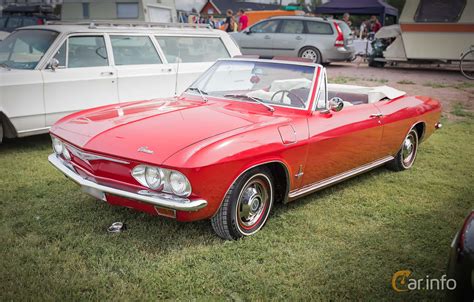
367,27
229,24
240,21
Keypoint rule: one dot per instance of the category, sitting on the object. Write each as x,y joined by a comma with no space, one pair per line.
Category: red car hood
162,126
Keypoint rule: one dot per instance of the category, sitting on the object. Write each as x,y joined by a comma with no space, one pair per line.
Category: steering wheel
283,91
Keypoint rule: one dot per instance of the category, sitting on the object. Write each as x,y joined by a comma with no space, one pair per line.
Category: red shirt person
243,19
375,24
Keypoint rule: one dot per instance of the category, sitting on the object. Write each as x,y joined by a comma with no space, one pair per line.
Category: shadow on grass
26,143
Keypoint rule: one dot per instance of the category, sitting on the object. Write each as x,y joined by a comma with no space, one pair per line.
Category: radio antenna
177,71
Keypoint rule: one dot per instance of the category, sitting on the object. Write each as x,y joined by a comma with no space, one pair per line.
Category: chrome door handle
299,38
376,115
167,70
107,73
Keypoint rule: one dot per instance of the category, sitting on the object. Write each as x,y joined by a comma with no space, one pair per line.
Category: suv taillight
340,37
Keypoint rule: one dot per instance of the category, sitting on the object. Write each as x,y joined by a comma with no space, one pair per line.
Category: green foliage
399,4
406,82
459,110
343,243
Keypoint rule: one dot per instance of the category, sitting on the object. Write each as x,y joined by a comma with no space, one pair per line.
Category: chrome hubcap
409,149
252,202
310,54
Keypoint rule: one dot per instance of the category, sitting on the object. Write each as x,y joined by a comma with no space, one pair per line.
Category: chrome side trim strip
41,130
156,199
86,156
336,178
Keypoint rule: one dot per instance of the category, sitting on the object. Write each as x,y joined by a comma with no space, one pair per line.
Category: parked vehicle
52,70
318,39
429,32
16,16
461,262
246,134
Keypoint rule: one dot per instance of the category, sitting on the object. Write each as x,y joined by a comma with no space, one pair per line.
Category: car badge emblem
145,150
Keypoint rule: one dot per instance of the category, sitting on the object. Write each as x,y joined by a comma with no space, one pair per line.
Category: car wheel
246,206
406,156
311,53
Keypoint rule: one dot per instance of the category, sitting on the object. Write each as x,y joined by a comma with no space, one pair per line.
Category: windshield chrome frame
311,95
46,54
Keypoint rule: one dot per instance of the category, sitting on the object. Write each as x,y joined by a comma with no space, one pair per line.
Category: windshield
346,30
24,48
265,82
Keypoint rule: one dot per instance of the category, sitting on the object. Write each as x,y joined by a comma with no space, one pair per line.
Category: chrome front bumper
156,199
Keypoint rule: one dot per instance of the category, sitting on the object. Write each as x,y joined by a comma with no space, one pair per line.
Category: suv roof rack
129,24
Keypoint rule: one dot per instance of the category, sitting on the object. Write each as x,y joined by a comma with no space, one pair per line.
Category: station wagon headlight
58,146
161,179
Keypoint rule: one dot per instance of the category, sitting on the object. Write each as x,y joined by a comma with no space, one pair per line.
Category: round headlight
180,184
57,146
153,177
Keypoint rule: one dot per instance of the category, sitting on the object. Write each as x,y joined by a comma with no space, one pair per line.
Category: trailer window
439,10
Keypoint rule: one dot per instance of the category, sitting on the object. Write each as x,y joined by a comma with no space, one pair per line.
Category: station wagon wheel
246,207
311,53
406,156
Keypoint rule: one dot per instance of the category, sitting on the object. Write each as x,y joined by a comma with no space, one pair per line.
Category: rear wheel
246,206
311,53
405,158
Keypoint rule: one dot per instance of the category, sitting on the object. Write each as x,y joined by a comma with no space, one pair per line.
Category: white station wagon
49,71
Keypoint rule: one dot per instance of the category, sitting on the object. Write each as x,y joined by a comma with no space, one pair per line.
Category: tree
398,4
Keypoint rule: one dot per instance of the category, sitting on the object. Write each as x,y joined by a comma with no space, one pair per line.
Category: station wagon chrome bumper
156,199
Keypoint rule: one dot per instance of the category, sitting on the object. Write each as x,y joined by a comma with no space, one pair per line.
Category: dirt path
455,92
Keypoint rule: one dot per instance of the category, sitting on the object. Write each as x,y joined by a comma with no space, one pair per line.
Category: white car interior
356,95
283,85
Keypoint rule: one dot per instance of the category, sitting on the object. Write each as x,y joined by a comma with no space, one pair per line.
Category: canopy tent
359,7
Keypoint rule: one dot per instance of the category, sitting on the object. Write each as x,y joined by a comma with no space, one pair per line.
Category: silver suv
319,39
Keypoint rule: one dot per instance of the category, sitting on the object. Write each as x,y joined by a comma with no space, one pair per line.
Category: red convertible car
247,134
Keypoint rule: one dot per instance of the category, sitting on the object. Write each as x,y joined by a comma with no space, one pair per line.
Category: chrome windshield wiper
201,93
255,99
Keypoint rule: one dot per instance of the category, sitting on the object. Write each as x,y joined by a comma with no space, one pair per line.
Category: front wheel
246,206
405,158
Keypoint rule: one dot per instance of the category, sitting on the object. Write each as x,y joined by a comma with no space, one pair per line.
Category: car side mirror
54,64
248,32
336,104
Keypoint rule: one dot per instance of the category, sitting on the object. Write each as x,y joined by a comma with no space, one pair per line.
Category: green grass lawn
341,243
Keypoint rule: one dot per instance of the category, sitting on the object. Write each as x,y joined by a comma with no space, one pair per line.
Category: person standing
374,24
243,19
347,19
211,22
229,21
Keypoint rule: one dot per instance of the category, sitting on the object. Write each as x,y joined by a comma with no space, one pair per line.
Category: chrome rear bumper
156,199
